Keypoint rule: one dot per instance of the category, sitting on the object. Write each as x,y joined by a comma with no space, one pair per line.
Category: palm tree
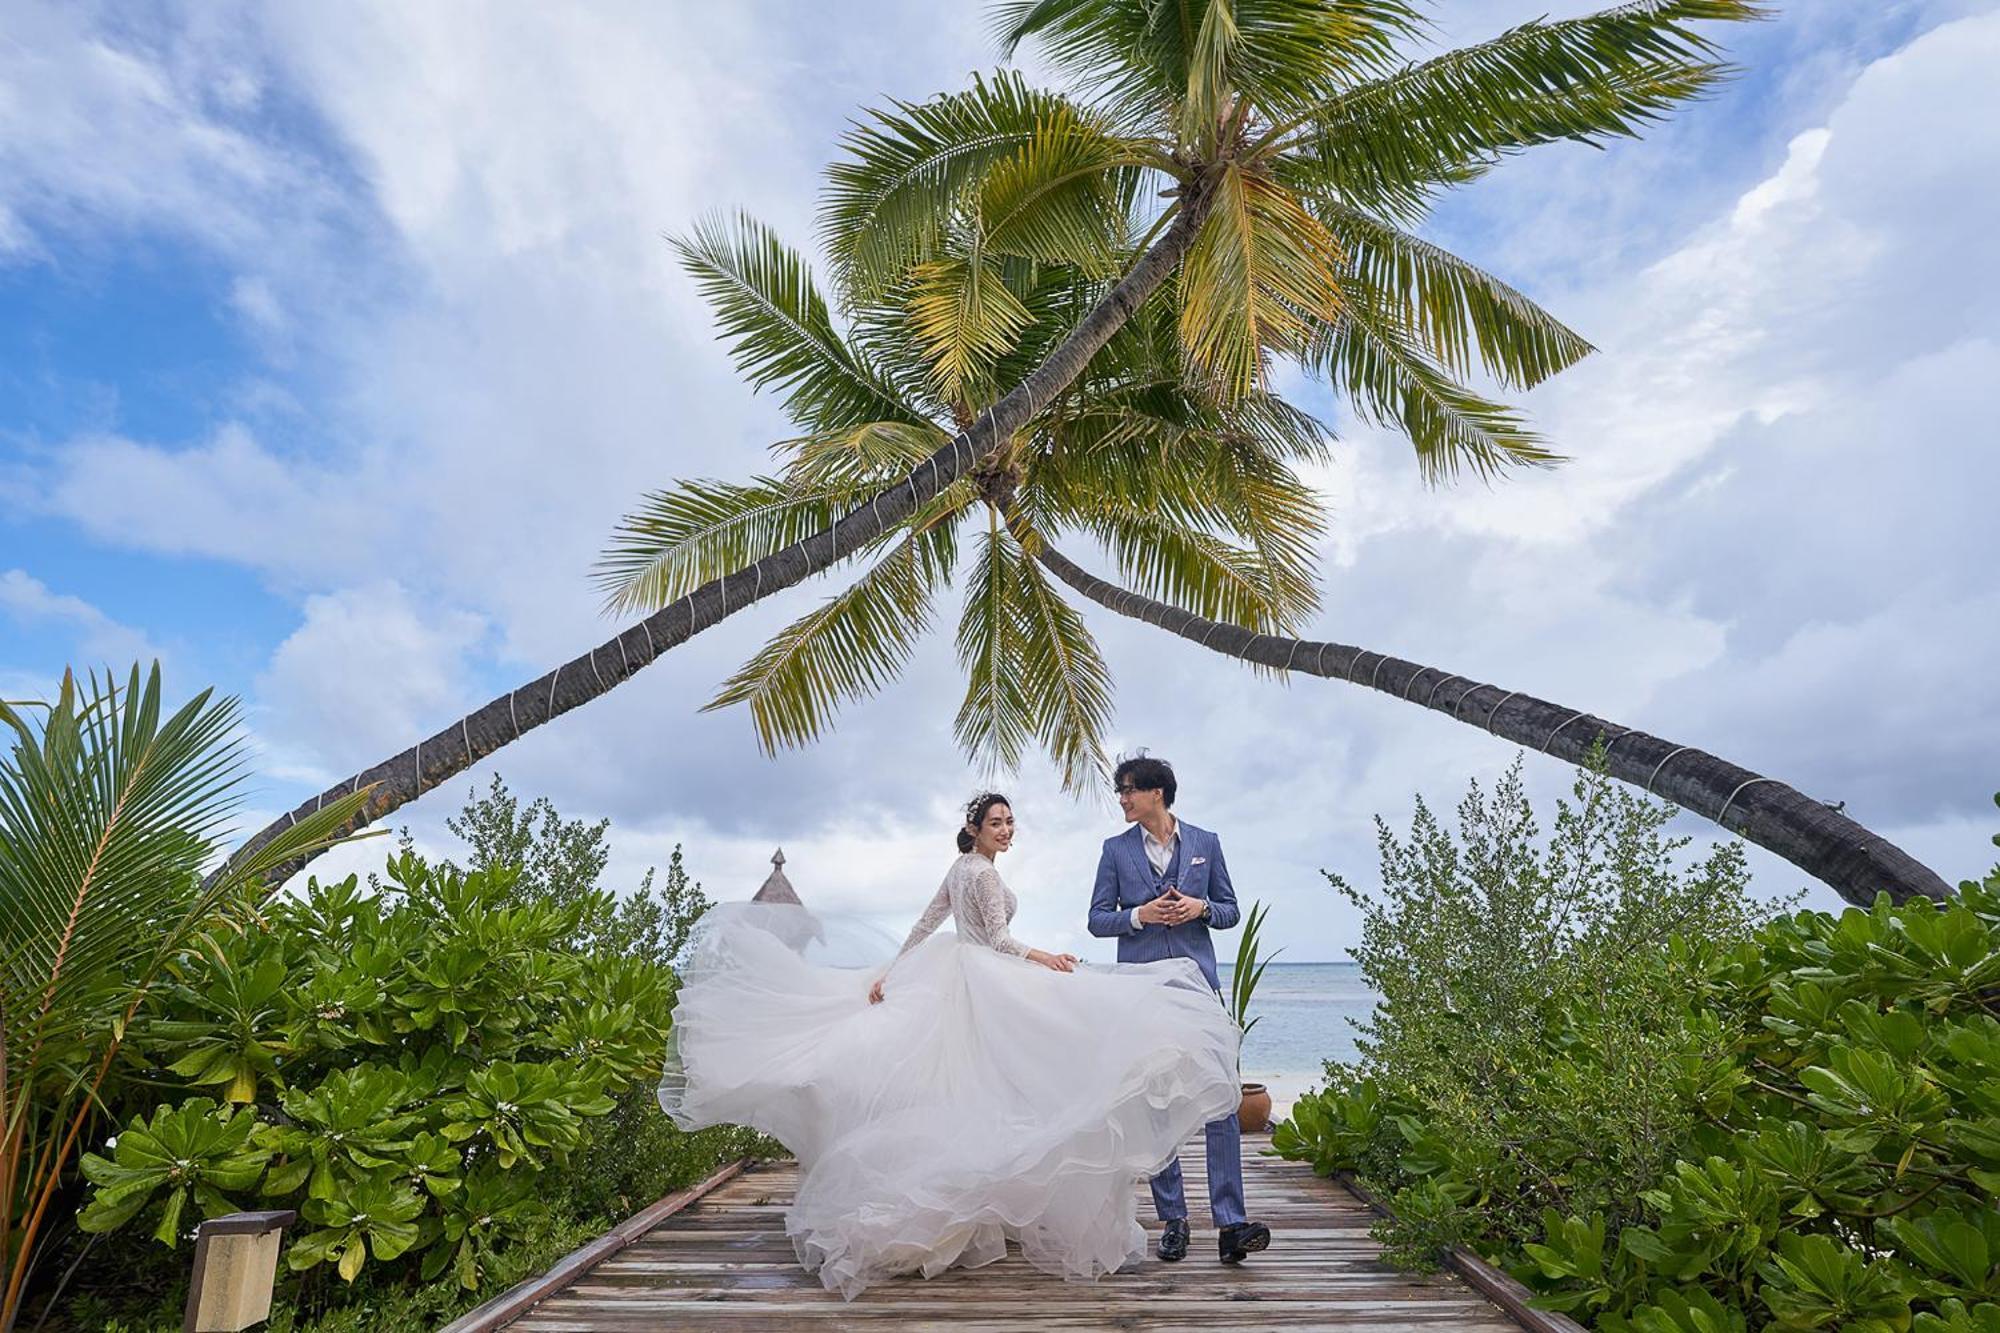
1294,150
1197,496
108,812
1195,500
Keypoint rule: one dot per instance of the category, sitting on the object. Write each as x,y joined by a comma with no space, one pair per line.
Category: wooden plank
1484,1278
1302,1318
503,1309
727,1263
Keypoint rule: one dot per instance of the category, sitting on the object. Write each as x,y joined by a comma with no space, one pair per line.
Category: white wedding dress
986,1099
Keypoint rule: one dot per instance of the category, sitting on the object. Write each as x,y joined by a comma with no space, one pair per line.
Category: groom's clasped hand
1171,908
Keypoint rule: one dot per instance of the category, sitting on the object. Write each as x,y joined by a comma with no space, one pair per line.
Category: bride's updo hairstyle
976,811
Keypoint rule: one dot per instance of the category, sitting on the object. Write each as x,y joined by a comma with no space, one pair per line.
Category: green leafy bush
1808,1137
467,1060
112,803
190,1149
435,1069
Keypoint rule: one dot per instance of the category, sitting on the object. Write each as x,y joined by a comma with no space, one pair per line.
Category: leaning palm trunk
400,779
1818,839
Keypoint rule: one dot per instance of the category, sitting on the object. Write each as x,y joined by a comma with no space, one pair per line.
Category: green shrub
562,862
1800,1127
438,1071
1527,999
112,803
487,1045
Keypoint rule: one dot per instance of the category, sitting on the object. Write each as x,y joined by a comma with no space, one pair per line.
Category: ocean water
1306,1014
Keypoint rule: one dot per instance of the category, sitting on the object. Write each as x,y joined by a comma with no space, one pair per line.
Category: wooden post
235,1265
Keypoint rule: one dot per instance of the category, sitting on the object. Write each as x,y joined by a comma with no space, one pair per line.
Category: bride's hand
875,992
1055,962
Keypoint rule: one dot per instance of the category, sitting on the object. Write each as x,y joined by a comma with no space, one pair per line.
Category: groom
1161,886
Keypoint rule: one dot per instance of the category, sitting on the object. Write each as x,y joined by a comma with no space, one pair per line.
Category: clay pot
1254,1115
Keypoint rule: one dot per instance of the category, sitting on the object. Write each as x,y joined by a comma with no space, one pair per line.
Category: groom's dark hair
1147,773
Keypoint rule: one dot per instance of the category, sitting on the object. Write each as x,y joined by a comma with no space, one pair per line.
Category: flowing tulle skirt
986,1099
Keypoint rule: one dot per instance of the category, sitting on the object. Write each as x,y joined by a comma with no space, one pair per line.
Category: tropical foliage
1248,968
971,233
435,1069
562,862
1201,499
111,806
1699,1125
399,1065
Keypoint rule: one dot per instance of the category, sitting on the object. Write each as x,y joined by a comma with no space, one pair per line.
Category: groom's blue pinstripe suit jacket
1125,879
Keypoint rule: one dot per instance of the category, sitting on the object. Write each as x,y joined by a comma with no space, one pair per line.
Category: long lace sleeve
933,916
987,898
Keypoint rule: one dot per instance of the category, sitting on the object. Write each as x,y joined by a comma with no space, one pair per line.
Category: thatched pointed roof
777,889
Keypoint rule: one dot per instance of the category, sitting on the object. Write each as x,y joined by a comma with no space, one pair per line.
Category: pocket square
1199,861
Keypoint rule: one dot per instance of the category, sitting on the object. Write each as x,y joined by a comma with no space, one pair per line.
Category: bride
974,1091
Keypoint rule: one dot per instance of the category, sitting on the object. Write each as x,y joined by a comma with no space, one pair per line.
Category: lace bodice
980,903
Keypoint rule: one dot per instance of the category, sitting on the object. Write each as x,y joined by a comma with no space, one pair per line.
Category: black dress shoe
1239,1242
1173,1241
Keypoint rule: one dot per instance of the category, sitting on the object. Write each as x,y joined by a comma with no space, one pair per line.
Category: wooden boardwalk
724,1263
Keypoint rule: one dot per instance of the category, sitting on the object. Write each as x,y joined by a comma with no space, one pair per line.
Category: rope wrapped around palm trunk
1814,836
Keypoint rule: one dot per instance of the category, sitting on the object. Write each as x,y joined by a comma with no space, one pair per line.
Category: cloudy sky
335,338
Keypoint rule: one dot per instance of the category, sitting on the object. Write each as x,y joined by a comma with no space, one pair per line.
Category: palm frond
1280,431
1057,298
1386,144
1278,514
965,319
1461,314
1290,54
995,721
1260,274
107,815
846,649
1390,380
1175,65
1133,59
1067,684
781,333
858,463
889,203
1216,579
1154,447
700,530
1207,102
1064,196
860,459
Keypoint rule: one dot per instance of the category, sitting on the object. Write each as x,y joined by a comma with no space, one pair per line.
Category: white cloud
252,298
100,641
230,498
105,129
366,673
15,239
